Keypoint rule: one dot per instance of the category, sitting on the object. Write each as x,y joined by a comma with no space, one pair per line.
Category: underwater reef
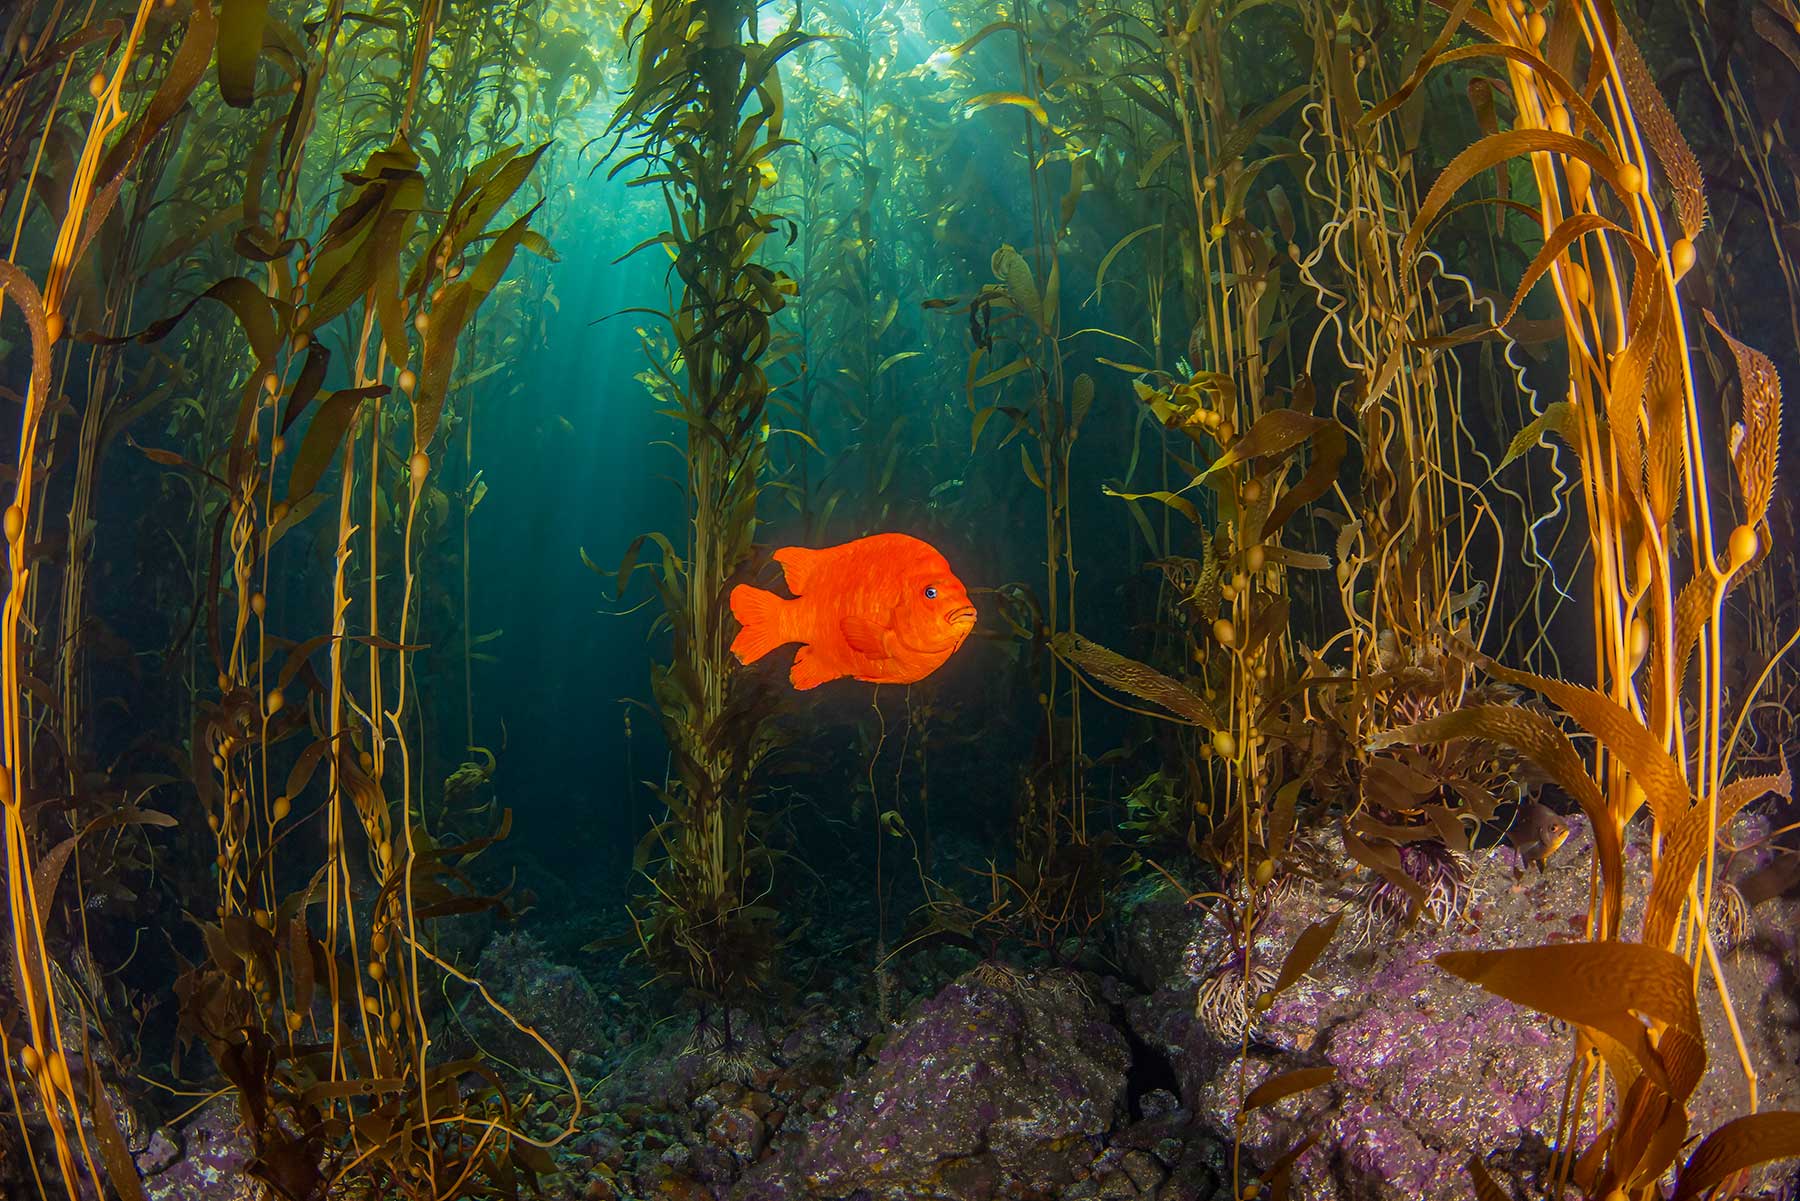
871,600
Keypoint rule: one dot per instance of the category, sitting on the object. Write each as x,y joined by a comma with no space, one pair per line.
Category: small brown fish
1537,832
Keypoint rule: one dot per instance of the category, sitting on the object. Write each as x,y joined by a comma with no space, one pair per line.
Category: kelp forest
870,600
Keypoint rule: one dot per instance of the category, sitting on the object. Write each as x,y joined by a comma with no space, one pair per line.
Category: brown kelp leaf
246,301
1271,621
301,964
1275,432
298,656
1741,1143
1777,32
1454,21
1647,1130
392,229
240,44
1481,103
1665,430
302,772
1179,503
1305,952
289,1164
324,434
1137,679
306,385
1121,244
1753,453
1601,985
1765,884
1649,320
532,1157
1566,234
1491,151
344,266
1279,1176
23,292
1081,400
1299,560
1207,596
1014,273
1238,140
1693,605
1329,445
1559,417
1539,740
375,1086
1658,124
1281,816
121,1170
1582,117
48,872
178,83
1282,210
169,458
1286,1085
1655,771
1684,846
975,104
1486,1188
952,53
448,317
1385,862
490,197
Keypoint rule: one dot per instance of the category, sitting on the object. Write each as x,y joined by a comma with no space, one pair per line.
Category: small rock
1144,1171
159,1154
737,1130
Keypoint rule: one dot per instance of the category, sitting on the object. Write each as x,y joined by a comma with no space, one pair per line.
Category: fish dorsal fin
865,637
799,566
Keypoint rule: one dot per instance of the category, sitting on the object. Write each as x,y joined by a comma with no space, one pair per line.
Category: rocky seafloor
949,1077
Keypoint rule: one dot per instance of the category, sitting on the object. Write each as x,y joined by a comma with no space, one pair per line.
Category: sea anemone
1729,918
1444,874
1226,995
996,976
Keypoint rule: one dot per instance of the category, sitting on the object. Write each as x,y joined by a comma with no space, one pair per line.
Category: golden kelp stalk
1634,420
698,66
45,1056
356,1095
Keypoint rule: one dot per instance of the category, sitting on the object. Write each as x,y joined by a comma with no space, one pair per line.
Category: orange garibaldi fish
885,609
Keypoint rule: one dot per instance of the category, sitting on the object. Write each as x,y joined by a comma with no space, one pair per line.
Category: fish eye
931,592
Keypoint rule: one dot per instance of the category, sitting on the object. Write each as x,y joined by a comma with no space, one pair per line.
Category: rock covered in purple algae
215,1150
1000,1086
549,997
1429,1068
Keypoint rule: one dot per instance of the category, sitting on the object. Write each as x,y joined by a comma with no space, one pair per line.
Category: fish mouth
963,619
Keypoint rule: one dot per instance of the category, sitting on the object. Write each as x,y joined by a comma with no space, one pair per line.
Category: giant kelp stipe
1356,425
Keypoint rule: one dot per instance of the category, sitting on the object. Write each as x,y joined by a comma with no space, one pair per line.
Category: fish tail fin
761,614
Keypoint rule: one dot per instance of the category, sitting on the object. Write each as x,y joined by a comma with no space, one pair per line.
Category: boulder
1430,1069
549,997
1000,1086
214,1150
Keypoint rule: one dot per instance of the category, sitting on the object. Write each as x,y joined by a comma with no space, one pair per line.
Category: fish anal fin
810,670
865,637
799,566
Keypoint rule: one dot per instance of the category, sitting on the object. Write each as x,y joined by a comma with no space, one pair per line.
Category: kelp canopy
1361,420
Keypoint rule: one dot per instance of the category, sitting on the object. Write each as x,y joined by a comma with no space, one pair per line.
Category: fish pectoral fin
865,637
